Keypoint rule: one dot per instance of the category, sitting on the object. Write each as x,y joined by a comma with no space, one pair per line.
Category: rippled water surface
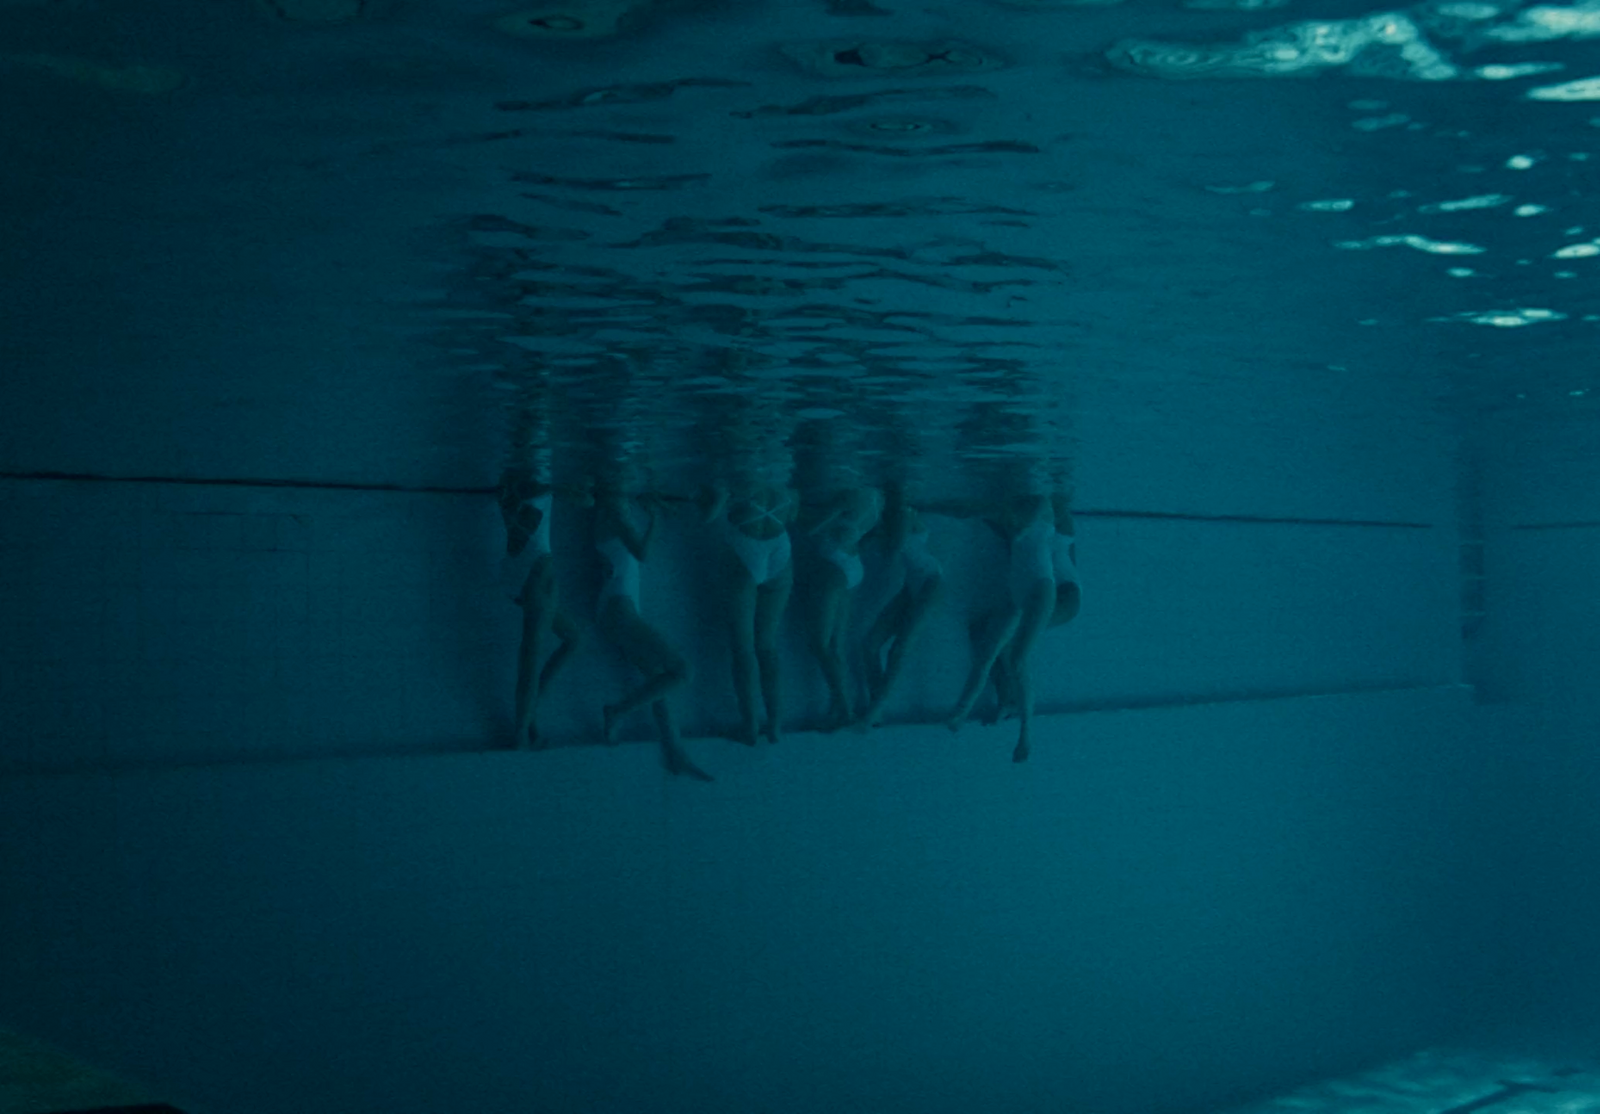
925,241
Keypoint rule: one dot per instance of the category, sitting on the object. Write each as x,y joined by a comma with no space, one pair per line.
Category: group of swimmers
754,523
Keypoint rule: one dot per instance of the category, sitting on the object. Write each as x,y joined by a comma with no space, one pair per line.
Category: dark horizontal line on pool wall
338,485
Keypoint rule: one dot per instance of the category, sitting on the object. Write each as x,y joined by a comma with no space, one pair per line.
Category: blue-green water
1295,300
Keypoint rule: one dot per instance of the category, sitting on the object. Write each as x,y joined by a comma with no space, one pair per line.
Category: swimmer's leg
1036,611
991,642
1005,688
771,598
570,635
647,651
911,617
524,733
742,629
877,637
538,612
673,757
833,607
1069,601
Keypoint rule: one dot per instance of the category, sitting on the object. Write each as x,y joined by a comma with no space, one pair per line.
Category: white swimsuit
851,526
514,567
763,558
847,563
1039,553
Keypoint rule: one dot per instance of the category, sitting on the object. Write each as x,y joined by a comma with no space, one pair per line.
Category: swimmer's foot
772,733
957,718
677,763
746,735
608,715
868,719
1021,753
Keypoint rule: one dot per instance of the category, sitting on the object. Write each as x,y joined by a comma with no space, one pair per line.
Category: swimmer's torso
623,567
762,514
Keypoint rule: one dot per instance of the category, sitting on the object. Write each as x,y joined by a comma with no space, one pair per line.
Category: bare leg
537,600
771,598
831,620
836,654
570,634
1005,688
883,628
1000,627
533,623
648,652
742,627
1036,610
911,615
672,755
1069,600
1024,711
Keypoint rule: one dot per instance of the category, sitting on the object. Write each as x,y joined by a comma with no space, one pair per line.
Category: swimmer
837,534
1069,600
755,525
901,621
622,545
525,507
1040,559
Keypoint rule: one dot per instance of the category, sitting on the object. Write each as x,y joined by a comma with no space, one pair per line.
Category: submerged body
754,526
622,543
897,627
526,507
846,519
1042,585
